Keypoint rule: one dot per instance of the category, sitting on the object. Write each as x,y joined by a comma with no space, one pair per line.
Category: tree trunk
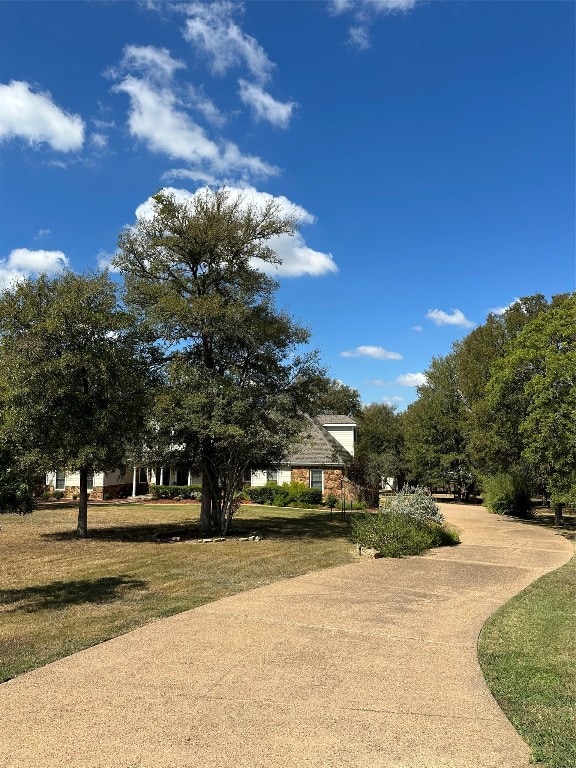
82,529
206,504
558,514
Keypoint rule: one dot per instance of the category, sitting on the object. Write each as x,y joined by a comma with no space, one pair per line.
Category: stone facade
332,482
98,492
300,476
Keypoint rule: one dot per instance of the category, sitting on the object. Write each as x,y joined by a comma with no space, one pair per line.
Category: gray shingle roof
317,447
330,418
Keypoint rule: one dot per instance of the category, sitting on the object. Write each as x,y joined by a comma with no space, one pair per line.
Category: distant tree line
498,413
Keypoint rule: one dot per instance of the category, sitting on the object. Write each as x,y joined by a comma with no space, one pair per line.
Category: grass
59,594
527,655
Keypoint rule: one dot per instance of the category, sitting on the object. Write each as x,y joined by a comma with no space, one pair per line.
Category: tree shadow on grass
153,532
60,594
283,525
303,526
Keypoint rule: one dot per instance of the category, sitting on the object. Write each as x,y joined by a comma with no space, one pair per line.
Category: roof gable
317,447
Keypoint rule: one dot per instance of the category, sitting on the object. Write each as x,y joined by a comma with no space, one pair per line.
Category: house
319,459
101,485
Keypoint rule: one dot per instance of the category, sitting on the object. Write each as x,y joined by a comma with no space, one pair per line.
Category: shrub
263,494
507,494
15,495
176,491
331,501
58,495
287,494
45,495
396,534
414,502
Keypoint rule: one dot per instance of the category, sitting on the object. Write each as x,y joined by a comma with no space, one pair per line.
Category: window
182,476
142,475
271,476
60,482
247,476
90,481
316,478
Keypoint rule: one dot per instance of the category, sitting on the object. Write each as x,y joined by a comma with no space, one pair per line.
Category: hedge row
288,494
176,491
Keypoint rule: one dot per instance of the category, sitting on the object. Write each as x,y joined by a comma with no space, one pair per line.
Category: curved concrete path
370,665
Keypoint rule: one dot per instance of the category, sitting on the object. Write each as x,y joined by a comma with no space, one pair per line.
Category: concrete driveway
370,665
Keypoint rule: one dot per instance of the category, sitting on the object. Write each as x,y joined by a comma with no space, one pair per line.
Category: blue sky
427,149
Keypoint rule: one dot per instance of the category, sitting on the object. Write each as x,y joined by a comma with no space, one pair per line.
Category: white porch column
134,478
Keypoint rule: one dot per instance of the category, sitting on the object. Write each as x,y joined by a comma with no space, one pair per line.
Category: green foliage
236,384
435,443
58,495
331,501
379,451
75,380
332,396
176,491
507,494
16,495
287,494
416,503
395,534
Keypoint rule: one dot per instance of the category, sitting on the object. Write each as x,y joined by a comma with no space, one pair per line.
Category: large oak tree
235,383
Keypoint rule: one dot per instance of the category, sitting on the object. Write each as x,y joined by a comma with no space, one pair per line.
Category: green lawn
59,594
527,652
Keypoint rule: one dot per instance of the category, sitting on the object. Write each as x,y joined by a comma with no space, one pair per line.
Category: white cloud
35,118
359,38
153,63
411,379
417,328
99,140
455,317
296,258
42,233
379,353
264,106
23,263
104,261
393,400
158,118
501,310
206,106
363,13
212,29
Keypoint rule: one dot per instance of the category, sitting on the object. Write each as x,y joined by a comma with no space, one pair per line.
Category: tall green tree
75,379
536,380
333,396
380,444
435,444
237,382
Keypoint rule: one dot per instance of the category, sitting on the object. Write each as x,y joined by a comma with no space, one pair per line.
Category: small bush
287,494
58,495
507,494
262,494
175,491
45,495
414,502
396,534
331,501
